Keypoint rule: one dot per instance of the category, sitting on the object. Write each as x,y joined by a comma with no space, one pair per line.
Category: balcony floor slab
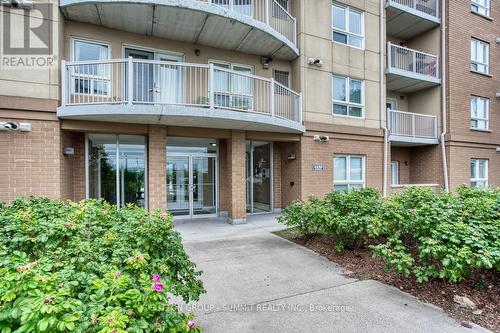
405,23
186,116
189,21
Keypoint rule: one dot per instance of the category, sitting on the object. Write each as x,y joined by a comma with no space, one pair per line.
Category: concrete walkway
258,282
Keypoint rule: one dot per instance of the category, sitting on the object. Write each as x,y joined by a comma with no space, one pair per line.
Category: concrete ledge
237,221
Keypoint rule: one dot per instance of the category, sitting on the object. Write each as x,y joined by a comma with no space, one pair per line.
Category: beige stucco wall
119,39
35,82
315,41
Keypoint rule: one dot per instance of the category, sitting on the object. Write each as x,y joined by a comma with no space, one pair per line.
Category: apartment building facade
236,107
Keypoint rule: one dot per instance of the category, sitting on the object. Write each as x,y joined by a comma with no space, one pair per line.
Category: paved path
258,282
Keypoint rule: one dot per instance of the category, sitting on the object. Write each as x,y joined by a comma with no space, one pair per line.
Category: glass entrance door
259,176
192,185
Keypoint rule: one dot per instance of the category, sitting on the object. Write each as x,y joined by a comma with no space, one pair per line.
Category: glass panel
394,173
340,168
339,38
473,169
178,185
356,41
355,91
356,164
191,145
102,167
355,22
204,190
355,111
132,170
482,169
221,78
339,17
341,188
339,88
340,109
261,172
85,51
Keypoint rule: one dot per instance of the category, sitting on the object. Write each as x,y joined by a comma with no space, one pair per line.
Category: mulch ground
482,288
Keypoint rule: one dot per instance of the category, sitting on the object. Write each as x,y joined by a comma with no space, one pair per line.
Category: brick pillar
157,167
236,174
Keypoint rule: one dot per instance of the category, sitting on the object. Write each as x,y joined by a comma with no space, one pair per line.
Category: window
282,77
479,112
348,25
480,56
394,172
90,79
478,173
117,168
233,87
347,96
481,7
348,172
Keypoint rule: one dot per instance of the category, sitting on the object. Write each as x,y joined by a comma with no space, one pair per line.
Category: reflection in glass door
259,176
191,184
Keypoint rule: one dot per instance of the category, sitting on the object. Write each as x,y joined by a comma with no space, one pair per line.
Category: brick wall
157,166
236,176
31,161
319,183
462,83
290,173
402,155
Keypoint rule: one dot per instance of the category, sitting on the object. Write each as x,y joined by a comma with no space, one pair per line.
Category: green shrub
353,214
90,267
308,217
418,232
440,235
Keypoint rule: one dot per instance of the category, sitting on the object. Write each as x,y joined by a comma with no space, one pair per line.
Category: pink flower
158,287
191,324
117,274
156,278
163,216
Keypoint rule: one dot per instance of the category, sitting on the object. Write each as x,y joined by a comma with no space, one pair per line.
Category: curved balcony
260,27
177,94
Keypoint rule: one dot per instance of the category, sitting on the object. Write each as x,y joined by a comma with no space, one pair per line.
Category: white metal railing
429,7
414,125
409,60
271,12
136,81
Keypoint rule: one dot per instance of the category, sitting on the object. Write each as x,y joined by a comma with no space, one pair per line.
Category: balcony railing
271,12
412,125
429,7
412,61
151,82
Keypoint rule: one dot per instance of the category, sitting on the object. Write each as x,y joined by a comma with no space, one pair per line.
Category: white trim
87,185
395,177
480,6
346,32
155,51
487,112
348,182
347,102
475,44
476,162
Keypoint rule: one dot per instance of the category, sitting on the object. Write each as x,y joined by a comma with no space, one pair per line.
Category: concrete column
236,174
157,167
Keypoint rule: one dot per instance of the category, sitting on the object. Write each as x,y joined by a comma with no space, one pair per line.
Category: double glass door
191,185
156,82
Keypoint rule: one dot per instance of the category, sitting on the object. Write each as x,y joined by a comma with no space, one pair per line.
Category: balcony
180,94
409,18
410,70
260,27
411,129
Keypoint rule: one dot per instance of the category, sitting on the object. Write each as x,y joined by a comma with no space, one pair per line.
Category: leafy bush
354,213
418,232
90,267
441,235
